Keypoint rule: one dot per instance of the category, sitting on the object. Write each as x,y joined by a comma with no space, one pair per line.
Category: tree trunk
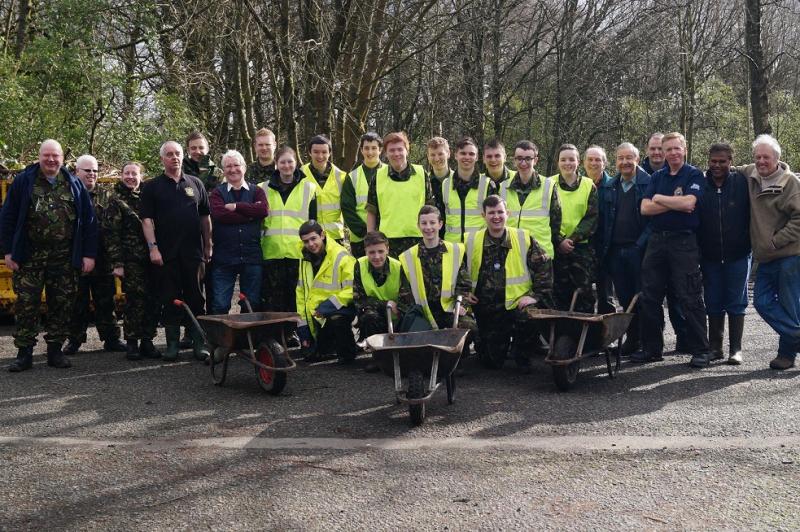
25,7
759,77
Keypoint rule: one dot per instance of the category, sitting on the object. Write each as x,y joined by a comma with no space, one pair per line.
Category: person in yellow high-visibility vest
463,193
574,266
396,195
330,179
494,162
532,200
291,200
325,296
509,271
436,271
356,188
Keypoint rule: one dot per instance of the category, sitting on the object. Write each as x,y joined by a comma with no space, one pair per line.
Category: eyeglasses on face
524,159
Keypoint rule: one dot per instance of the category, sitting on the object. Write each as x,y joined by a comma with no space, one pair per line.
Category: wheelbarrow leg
450,381
398,380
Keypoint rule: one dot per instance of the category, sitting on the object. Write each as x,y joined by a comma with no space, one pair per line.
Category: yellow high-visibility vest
534,214
359,180
280,237
390,289
472,206
451,262
329,209
333,282
399,202
574,204
518,277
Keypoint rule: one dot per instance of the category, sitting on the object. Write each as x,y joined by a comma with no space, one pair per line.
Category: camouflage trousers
58,278
570,272
278,285
97,289
141,301
496,328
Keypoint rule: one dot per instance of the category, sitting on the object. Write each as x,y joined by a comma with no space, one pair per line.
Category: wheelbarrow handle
574,299
632,304
243,299
389,323
457,311
180,303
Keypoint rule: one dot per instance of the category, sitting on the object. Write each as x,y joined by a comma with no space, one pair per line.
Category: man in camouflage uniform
97,287
48,235
263,167
198,162
497,323
129,256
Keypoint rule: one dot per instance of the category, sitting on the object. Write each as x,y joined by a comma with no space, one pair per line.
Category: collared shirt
688,180
244,186
627,185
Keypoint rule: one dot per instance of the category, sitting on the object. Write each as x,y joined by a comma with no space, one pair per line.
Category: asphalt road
113,445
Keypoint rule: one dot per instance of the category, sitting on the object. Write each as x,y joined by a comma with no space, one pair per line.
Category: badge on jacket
189,191
678,192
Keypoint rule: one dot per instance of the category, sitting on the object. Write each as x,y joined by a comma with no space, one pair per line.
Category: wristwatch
151,245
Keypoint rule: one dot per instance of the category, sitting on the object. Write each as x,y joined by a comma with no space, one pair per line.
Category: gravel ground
511,453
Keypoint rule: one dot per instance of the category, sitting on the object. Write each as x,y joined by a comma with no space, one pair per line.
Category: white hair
599,149
768,140
51,142
85,158
163,148
233,154
630,147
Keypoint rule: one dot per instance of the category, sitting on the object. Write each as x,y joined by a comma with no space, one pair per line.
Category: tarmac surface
116,445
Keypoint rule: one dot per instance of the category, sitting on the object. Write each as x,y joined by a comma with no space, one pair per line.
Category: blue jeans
725,286
224,277
777,300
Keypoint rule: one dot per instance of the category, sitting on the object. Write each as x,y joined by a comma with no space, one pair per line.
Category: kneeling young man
324,296
509,271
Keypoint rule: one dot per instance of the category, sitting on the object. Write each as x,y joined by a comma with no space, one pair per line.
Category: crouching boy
324,296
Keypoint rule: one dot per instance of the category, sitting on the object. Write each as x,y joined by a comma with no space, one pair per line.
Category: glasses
524,159
89,170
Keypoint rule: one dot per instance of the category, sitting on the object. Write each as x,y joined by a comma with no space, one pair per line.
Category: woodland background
117,77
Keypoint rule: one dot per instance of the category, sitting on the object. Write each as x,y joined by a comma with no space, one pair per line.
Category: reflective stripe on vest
473,208
332,279
573,205
280,238
399,202
390,289
329,210
361,187
518,277
534,214
451,262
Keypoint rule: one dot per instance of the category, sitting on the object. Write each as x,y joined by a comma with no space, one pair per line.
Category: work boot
716,331
700,360
72,346
55,357
735,330
199,347
24,360
781,363
132,349
173,334
186,341
114,345
147,349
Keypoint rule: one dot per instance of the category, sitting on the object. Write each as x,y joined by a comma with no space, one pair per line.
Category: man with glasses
48,234
97,287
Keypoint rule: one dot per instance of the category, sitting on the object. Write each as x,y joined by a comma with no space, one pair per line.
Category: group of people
339,248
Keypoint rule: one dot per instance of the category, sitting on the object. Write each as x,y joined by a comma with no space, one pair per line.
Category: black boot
148,350
186,341
716,331
24,360
199,347
115,346
735,330
72,346
132,349
56,358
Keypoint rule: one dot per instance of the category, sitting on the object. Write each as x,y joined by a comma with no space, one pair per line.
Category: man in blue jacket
622,233
48,235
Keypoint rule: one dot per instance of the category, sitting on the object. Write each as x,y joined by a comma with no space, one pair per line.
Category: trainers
781,363
735,359
701,360
643,357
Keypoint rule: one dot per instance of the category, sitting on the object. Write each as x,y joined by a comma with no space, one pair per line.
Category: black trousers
179,278
672,259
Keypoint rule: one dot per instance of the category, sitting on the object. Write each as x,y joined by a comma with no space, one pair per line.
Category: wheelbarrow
578,335
425,359
256,337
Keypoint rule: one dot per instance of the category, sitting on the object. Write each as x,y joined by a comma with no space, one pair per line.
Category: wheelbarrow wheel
565,375
416,390
270,353
218,362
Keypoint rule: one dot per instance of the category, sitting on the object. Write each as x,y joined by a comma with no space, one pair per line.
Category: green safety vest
473,208
280,231
518,277
573,205
333,281
329,209
359,180
399,202
534,214
390,289
451,262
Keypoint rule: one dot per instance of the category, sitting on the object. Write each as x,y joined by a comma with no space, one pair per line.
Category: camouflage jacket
125,242
102,198
205,170
258,174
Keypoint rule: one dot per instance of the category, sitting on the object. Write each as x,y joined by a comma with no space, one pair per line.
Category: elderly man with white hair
237,211
48,236
775,237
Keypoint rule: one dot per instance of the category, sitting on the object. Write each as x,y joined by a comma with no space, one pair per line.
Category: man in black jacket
724,238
